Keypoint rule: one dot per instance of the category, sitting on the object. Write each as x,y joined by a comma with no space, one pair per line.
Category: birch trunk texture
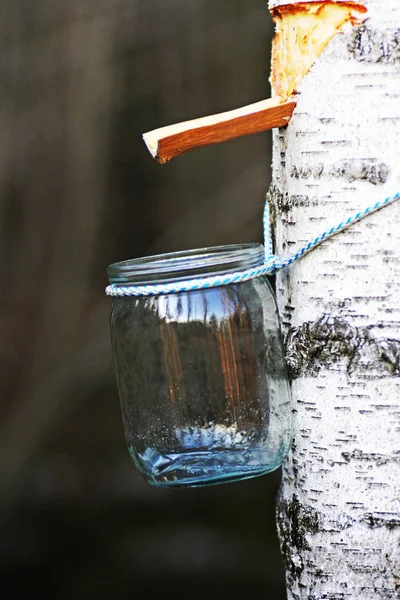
339,506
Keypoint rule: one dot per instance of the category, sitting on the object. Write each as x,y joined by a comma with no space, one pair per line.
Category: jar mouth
187,264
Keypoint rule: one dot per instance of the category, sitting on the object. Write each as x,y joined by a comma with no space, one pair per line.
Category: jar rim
186,264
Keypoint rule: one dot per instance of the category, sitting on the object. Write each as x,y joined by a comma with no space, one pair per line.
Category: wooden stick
170,141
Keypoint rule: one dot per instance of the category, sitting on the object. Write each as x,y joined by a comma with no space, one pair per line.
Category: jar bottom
197,468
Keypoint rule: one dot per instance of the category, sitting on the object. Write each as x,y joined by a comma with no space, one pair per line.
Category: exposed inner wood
170,141
302,32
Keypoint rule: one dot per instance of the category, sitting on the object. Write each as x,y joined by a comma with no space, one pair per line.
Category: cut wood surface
170,141
303,30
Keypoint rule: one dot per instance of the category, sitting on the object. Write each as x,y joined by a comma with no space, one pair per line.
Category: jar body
203,383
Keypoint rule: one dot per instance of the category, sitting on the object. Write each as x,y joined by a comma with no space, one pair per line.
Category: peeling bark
339,506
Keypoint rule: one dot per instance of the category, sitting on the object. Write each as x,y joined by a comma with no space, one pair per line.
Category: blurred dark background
80,82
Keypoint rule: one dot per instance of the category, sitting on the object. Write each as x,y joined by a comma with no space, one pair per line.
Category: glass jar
201,374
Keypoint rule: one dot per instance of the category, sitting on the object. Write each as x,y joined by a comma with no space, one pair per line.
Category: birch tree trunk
339,507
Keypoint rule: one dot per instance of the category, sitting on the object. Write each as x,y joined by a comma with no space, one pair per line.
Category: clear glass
201,375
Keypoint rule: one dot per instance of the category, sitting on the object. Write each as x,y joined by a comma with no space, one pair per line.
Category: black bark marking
295,522
318,345
307,172
300,201
352,170
361,170
374,521
374,46
371,457
274,197
396,578
282,203
331,595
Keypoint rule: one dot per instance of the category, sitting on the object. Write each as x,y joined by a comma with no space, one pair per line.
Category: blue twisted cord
268,246
271,264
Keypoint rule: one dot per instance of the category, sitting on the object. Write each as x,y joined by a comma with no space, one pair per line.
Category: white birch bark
339,507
